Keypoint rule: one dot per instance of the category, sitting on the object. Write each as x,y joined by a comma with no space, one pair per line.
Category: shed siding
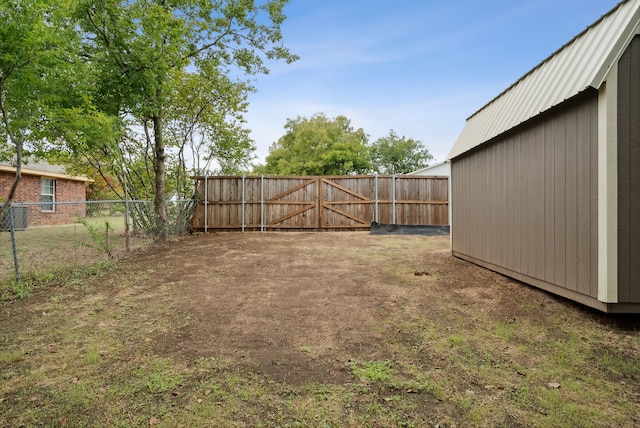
527,203
629,174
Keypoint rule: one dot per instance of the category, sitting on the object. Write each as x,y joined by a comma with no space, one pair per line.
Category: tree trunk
4,209
18,145
159,170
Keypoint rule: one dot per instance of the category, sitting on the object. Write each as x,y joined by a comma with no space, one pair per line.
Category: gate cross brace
293,214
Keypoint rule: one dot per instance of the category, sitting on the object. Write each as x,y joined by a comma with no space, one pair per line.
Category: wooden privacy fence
318,203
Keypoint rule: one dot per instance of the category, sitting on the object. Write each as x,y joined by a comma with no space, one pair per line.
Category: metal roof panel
579,64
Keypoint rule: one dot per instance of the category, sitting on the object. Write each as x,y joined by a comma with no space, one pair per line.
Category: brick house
46,190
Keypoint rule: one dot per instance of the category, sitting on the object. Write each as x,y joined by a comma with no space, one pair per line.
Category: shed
46,190
545,177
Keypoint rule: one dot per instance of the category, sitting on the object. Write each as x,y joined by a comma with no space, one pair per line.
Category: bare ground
301,308
261,298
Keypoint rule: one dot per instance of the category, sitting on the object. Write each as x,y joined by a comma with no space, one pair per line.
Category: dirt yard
261,298
348,329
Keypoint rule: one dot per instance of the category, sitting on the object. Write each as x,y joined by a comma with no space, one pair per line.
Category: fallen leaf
410,391
175,393
63,366
199,400
153,420
207,392
553,385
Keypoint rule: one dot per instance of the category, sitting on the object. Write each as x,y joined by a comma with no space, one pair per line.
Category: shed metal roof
583,62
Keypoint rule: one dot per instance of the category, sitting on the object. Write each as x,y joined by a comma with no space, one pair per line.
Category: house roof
44,169
436,166
582,63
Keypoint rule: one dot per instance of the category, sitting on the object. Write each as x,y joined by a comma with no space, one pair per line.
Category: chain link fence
42,238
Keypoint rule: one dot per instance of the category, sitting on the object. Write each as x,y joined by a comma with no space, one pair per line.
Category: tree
205,125
319,146
398,155
142,47
37,56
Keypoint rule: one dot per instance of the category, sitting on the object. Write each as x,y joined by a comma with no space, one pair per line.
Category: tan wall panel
526,202
629,174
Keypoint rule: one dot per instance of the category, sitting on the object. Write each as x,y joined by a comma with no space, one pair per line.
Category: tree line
331,146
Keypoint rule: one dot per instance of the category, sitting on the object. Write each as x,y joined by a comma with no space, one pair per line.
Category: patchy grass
48,249
30,281
460,347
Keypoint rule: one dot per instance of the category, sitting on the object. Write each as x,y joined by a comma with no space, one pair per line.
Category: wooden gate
345,203
318,203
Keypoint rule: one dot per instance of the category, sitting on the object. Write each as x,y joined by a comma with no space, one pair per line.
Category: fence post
206,203
127,230
376,187
393,196
13,243
262,203
243,200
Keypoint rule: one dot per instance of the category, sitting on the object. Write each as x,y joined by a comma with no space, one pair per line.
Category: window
48,194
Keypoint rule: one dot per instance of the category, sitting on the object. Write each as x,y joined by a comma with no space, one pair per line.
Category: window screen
48,194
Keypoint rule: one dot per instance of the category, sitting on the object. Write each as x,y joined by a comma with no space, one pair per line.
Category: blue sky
419,67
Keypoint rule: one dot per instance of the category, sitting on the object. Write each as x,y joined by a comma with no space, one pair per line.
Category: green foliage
205,125
398,155
29,281
16,290
41,83
165,67
99,236
374,371
319,146
79,80
44,83
161,382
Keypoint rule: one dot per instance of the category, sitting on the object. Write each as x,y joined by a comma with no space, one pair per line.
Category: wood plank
559,192
571,201
293,214
334,227
346,214
293,189
346,190
400,201
319,197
